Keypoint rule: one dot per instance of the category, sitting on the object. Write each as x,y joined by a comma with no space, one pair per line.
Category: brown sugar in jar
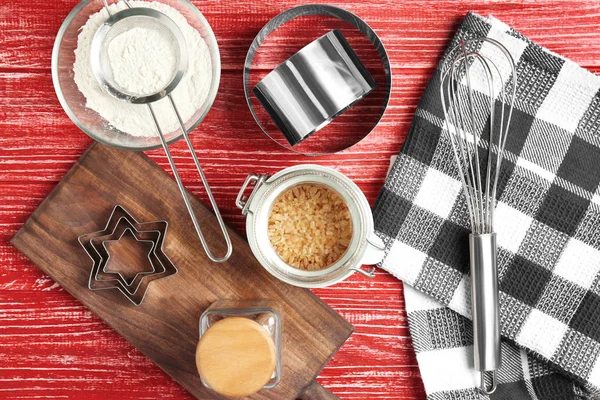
310,226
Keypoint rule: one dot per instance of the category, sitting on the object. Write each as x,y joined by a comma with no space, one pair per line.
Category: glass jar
364,247
261,312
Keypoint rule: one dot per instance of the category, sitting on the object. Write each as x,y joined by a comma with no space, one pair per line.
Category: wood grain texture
165,326
315,391
53,347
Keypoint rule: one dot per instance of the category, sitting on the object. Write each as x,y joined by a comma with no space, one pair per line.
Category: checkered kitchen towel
547,217
443,341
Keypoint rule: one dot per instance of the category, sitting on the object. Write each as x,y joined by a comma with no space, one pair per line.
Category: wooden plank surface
53,347
165,325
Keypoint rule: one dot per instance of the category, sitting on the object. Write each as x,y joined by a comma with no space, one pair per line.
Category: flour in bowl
143,61
135,119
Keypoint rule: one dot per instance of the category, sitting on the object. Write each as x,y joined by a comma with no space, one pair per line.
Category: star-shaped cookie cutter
98,245
119,222
106,242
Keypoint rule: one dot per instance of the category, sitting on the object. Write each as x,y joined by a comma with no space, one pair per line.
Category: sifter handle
484,300
186,200
108,9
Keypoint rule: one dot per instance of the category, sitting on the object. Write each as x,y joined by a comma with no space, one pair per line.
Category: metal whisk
478,81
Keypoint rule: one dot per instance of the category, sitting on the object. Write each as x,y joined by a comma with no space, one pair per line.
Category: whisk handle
484,298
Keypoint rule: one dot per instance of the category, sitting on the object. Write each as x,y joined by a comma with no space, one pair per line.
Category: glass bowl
73,102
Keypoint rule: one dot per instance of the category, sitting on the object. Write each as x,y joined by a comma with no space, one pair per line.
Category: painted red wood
53,347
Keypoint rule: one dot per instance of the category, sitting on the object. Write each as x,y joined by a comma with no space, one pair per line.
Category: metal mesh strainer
122,22
147,18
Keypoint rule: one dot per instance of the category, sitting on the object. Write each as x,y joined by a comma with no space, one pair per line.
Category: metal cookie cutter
99,244
314,86
319,82
93,244
106,261
118,224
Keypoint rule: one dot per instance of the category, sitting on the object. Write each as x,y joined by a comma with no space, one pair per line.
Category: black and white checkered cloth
443,342
547,220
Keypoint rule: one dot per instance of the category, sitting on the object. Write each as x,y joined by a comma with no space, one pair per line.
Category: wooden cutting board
165,326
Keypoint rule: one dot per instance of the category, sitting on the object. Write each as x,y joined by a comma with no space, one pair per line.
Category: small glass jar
262,312
364,248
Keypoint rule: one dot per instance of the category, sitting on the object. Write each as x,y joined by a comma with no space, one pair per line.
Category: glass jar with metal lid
364,246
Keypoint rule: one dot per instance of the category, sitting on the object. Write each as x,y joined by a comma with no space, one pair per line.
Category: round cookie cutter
312,10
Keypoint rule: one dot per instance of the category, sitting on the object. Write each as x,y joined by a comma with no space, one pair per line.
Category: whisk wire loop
462,107
476,170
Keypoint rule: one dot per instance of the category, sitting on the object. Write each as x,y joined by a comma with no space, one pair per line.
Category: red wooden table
53,347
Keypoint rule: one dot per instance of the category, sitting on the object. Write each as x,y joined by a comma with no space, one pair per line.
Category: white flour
142,61
135,119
